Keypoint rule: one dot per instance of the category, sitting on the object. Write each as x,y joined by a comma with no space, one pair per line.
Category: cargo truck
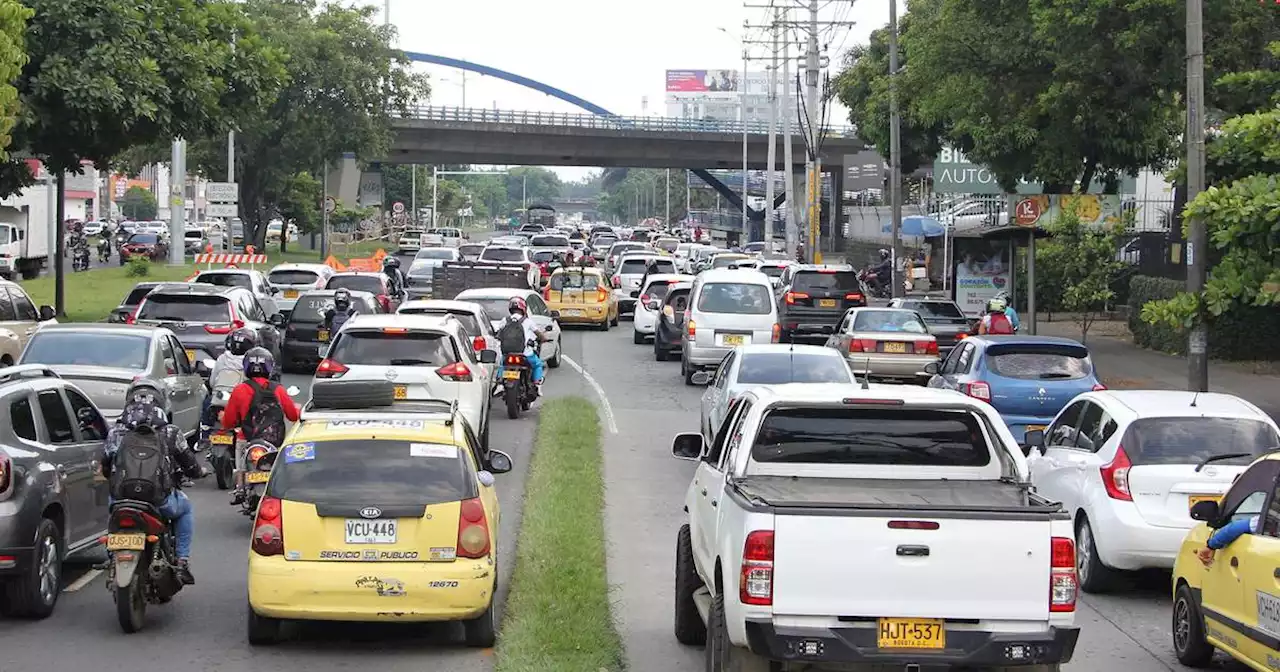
24,232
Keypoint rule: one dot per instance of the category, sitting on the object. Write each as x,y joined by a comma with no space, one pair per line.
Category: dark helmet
148,392
342,299
258,363
884,254
143,414
389,262
241,341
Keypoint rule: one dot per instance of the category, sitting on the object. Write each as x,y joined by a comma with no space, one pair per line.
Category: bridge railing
614,122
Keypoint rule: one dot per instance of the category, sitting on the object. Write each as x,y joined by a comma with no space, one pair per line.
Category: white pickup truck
884,527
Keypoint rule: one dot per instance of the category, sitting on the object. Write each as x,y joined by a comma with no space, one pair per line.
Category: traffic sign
222,192
397,207
222,209
1027,212
330,204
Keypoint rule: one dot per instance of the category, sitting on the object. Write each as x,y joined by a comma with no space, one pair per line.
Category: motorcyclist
1009,310
519,312
237,343
258,388
338,314
995,322
146,407
104,247
391,267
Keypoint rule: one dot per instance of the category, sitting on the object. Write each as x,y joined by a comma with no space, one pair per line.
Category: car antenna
1194,397
866,373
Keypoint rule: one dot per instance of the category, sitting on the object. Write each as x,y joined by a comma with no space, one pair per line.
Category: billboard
702,81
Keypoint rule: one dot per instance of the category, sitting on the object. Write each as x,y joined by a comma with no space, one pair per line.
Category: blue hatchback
1028,379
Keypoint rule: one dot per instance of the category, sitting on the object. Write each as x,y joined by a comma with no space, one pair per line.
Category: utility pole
1197,238
895,152
773,135
811,113
666,221
788,172
178,201
746,225
413,193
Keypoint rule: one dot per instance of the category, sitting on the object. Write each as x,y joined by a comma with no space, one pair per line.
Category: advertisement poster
980,275
1040,210
716,81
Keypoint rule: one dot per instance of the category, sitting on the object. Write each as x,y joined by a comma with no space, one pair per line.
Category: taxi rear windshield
370,347
855,436
570,280
388,472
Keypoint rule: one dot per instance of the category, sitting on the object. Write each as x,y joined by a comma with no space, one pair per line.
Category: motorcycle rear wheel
222,472
131,603
511,396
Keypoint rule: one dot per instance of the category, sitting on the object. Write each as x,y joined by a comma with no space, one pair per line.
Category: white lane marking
604,400
82,581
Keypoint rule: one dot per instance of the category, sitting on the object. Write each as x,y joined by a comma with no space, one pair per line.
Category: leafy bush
138,267
1242,333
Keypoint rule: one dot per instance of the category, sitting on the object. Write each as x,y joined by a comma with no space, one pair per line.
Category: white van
727,308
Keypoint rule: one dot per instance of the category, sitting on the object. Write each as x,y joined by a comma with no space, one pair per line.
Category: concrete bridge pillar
344,180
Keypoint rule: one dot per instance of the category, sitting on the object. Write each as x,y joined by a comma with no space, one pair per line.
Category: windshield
143,239
502,254
136,295
470,250
561,281
1039,362
605,241
1192,440
899,437
727,260
400,472
465,317
889,320
666,244
778,368
772,271
195,234
358,283
225,280
544,256
737,298
310,308
293,277
364,347
840,281
89,349
634,266
435,253
185,308
935,309
658,290
550,241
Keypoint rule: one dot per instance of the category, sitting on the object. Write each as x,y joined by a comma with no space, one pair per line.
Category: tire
554,362
35,593
637,338
262,631
481,631
659,354
131,603
604,326
687,371
513,403
721,654
352,394
616,318
1187,629
1095,577
222,473
688,622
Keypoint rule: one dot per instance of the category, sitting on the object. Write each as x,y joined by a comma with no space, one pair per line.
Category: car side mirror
555,314
688,446
47,313
1205,511
498,462
275,290
931,368
488,356
1033,439
652,305
635,294
276,320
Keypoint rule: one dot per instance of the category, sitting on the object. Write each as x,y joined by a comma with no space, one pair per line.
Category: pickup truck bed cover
786,492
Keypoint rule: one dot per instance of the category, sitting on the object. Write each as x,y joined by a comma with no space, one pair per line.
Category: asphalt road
643,403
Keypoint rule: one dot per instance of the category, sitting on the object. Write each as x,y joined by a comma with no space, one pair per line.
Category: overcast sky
613,53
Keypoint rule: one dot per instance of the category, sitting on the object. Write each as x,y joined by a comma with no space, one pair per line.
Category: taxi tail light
978,390
926,347
1115,476
790,297
862,345
268,528
602,295
755,585
456,372
330,369
1063,583
473,530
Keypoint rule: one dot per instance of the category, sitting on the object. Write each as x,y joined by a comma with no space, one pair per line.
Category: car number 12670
371,531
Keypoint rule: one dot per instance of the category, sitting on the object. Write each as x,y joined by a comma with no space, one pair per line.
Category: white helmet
997,305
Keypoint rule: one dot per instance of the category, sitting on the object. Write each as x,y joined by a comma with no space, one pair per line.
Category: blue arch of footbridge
418,57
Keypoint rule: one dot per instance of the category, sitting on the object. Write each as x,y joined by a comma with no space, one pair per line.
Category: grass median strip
557,615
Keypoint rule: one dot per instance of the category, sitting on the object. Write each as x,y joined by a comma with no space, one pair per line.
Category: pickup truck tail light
978,390
1115,476
1063,584
756,582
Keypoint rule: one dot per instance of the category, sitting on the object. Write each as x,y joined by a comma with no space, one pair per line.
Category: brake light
515,360
330,369
255,453
546,292
133,317
790,297
691,327
456,372
395,331
913,525
617,282
473,530
755,584
6,471
385,302
978,390
268,528
853,297
644,299
777,333
1115,476
1063,585
224,329
478,343
602,295
862,345
927,347
1099,387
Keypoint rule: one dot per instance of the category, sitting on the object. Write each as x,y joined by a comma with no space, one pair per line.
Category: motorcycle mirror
292,390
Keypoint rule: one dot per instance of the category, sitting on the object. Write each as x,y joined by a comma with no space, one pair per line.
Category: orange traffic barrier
373,263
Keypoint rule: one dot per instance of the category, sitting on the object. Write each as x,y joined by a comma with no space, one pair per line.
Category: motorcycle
259,456
142,561
104,251
219,445
518,390
80,258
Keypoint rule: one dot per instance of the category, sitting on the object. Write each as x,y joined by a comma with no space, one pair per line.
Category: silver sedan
885,344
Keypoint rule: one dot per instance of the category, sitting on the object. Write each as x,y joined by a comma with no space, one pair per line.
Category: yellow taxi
582,296
379,514
1229,599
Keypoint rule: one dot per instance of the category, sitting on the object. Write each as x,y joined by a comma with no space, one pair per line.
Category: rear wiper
410,361
164,318
1055,376
1224,456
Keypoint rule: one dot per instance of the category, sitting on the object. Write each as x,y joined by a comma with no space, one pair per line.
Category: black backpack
139,470
265,421
511,337
340,318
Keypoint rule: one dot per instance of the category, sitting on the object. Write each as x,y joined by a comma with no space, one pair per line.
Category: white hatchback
1129,465
650,301
293,280
425,356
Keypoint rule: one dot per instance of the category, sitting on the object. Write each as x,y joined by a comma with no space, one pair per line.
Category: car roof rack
25,372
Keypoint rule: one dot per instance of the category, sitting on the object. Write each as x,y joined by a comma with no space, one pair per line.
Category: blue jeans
177,508
539,369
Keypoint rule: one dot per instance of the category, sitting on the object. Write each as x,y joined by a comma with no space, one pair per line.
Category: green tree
13,55
531,184
139,204
1056,91
863,87
300,202
1083,260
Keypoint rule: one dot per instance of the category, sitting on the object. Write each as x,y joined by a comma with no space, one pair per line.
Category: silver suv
52,503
